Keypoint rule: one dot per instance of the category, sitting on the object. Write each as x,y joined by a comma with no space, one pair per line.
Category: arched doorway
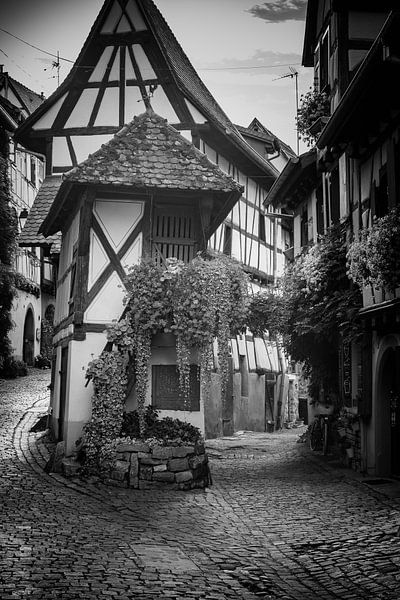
29,338
389,407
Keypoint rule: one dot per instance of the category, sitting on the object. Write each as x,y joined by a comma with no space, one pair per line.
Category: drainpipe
281,398
275,251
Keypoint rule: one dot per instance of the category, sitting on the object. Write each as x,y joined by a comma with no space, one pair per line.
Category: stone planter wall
139,466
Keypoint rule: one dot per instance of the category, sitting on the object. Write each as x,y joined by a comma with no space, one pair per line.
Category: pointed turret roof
147,155
150,153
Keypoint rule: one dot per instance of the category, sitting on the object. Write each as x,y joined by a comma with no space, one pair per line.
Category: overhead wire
197,68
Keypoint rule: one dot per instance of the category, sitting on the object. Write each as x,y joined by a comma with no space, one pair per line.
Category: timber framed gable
121,208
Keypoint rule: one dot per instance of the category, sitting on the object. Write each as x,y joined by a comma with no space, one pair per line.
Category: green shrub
166,431
41,362
14,368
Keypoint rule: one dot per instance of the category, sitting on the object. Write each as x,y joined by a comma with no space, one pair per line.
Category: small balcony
27,264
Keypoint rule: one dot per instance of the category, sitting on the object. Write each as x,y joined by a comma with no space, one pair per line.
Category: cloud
261,60
279,11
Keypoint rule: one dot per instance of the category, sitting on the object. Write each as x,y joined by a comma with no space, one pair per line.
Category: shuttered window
173,234
166,393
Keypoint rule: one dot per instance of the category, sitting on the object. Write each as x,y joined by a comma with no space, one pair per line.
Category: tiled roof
150,153
267,139
193,87
31,99
41,205
184,75
256,127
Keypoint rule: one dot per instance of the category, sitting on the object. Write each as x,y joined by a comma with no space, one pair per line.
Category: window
165,388
72,287
321,64
227,240
33,170
382,195
244,376
261,227
304,227
335,196
324,64
320,211
173,234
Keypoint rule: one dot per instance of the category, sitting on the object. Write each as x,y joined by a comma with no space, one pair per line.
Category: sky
241,49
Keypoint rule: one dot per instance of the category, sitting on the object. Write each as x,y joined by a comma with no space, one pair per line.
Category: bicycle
319,433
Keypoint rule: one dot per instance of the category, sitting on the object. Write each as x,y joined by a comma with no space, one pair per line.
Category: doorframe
383,436
29,336
62,398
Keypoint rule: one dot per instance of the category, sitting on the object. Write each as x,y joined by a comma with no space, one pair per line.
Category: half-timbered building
117,190
34,300
351,179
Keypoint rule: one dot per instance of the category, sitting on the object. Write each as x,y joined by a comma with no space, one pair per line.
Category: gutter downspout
281,398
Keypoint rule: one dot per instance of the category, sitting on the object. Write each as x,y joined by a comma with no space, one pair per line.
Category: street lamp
23,215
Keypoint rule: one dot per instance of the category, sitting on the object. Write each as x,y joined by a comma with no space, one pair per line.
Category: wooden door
29,339
63,392
395,415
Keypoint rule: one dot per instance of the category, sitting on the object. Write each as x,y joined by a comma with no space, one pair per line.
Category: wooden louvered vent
173,235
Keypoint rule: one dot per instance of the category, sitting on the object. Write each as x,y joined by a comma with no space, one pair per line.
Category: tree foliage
313,309
8,233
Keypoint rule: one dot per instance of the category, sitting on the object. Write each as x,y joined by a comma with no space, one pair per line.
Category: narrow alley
277,522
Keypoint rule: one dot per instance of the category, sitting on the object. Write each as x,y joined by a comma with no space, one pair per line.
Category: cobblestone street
278,522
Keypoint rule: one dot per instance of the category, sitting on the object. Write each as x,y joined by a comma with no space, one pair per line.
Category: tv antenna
293,75
55,64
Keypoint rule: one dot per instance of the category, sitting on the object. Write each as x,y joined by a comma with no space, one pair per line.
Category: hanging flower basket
373,257
312,115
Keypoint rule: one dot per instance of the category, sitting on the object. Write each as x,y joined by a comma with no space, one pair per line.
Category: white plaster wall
78,408
18,313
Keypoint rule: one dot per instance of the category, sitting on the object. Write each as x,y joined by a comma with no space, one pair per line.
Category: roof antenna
294,75
55,64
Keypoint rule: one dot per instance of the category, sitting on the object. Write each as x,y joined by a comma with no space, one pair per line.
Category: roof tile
41,205
133,158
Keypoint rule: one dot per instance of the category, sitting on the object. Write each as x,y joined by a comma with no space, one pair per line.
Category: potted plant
373,256
313,113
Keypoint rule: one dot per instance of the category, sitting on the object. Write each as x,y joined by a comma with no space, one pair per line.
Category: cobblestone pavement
277,523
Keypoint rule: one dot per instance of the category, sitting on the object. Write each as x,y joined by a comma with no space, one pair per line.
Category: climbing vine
108,373
199,302
8,223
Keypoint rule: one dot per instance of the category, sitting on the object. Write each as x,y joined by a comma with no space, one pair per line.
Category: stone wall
140,466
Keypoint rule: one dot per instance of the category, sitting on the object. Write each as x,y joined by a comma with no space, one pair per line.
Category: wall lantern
23,215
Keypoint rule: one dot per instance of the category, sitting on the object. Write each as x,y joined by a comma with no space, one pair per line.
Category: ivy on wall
197,302
8,227
22,283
